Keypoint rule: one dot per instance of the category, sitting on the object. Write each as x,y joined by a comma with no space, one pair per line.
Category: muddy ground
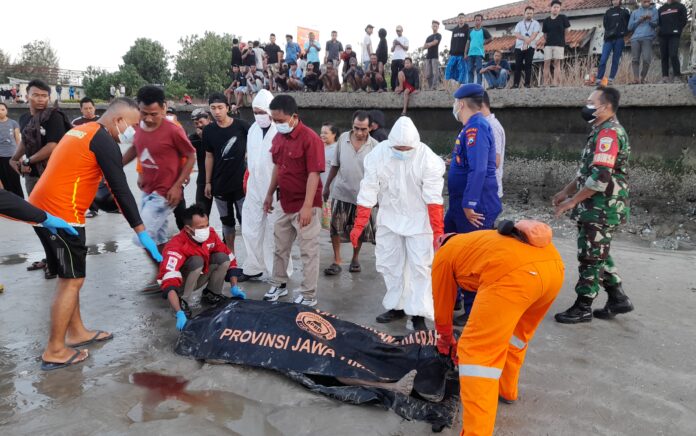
632,376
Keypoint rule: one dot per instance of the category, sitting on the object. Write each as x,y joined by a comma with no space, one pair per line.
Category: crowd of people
281,182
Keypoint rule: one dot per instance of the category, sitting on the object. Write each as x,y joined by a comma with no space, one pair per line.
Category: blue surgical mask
401,155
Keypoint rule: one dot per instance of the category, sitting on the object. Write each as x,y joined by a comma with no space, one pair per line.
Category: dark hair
436,22
610,96
474,103
461,14
382,33
362,115
556,2
217,97
2,103
272,34
256,44
120,101
528,8
288,36
486,99
150,94
334,130
235,41
285,104
191,211
40,84
86,100
478,15
408,59
333,31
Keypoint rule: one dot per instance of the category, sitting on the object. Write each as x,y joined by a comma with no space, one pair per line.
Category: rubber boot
618,302
580,311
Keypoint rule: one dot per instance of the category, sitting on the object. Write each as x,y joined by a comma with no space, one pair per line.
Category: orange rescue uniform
517,283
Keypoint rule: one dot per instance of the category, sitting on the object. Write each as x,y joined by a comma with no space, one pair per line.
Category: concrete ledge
658,95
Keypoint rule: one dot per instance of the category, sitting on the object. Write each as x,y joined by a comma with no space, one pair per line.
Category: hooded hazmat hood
404,133
263,101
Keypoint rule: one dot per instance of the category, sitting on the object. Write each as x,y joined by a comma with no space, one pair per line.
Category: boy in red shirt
193,258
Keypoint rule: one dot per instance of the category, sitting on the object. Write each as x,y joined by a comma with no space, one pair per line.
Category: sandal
355,268
50,366
48,275
333,269
39,264
94,339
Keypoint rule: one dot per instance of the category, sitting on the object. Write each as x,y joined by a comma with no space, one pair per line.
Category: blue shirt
472,171
312,52
643,29
292,50
503,64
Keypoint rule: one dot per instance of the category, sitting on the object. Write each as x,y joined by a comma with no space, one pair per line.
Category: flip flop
51,366
95,339
333,269
354,268
36,265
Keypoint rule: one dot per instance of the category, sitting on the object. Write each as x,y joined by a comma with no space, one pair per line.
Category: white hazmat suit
404,185
257,230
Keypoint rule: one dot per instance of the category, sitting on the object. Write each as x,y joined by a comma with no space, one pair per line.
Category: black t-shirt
200,156
433,52
236,56
460,35
53,130
228,146
82,120
272,52
239,77
555,30
251,57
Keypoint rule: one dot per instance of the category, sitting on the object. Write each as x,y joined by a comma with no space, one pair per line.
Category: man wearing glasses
346,173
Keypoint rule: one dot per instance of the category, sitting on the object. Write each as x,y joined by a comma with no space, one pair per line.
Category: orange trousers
494,342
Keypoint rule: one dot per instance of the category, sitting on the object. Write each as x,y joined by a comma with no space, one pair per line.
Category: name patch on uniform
607,149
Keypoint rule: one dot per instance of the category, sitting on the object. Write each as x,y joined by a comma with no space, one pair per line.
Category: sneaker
276,292
390,315
310,302
418,323
210,297
91,213
243,277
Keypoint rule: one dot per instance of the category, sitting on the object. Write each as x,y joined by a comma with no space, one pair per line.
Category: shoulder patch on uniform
79,134
471,136
171,264
606,148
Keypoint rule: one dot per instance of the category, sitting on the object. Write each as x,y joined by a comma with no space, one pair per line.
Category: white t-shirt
366,46
258,54
499,138
399,53
329,157
526,29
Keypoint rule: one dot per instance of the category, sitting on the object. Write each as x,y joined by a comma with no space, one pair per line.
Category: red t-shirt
159,154
296,155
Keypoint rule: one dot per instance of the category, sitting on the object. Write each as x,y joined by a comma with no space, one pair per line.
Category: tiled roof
513,10
574,39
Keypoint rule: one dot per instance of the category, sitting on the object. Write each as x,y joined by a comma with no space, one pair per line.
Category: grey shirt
499,137
346,185
333,49
8,145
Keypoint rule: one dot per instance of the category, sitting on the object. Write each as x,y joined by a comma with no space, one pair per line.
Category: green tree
5,65
203,63
128,76
175,89
38,60
149,59
97,83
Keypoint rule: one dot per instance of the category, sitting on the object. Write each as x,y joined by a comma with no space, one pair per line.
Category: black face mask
588,113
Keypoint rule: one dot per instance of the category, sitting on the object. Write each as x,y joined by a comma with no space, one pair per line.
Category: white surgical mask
126,137
284,128
455,111
201,235
263,120
401,155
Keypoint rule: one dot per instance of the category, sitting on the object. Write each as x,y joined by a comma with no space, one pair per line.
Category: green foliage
5,64
203,63
175,89
129,77
149,59
97,82
38,60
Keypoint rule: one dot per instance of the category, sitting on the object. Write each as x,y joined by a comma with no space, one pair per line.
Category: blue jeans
457,70
475,65
616,46
496,82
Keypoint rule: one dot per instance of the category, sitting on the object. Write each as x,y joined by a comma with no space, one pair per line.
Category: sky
93,35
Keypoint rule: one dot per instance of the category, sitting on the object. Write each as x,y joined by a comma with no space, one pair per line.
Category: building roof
574,39
516,10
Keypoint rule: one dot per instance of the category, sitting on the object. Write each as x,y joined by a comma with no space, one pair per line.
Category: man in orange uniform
518,273
84,156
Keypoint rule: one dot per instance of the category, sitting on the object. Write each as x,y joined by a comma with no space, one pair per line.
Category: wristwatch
26,162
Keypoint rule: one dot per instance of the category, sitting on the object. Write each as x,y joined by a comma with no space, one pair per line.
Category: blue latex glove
237,292
147,243
53,223
180,320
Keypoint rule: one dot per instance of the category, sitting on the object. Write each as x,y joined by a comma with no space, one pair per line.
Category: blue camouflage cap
469,90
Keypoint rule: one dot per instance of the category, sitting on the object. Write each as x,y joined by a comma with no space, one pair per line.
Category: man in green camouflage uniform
598,198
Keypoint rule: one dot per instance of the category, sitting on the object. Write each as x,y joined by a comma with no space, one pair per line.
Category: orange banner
303,36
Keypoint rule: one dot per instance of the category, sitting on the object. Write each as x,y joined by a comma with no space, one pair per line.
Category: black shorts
66,255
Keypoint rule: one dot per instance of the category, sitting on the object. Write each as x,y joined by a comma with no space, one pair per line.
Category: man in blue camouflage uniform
474,203
598,198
